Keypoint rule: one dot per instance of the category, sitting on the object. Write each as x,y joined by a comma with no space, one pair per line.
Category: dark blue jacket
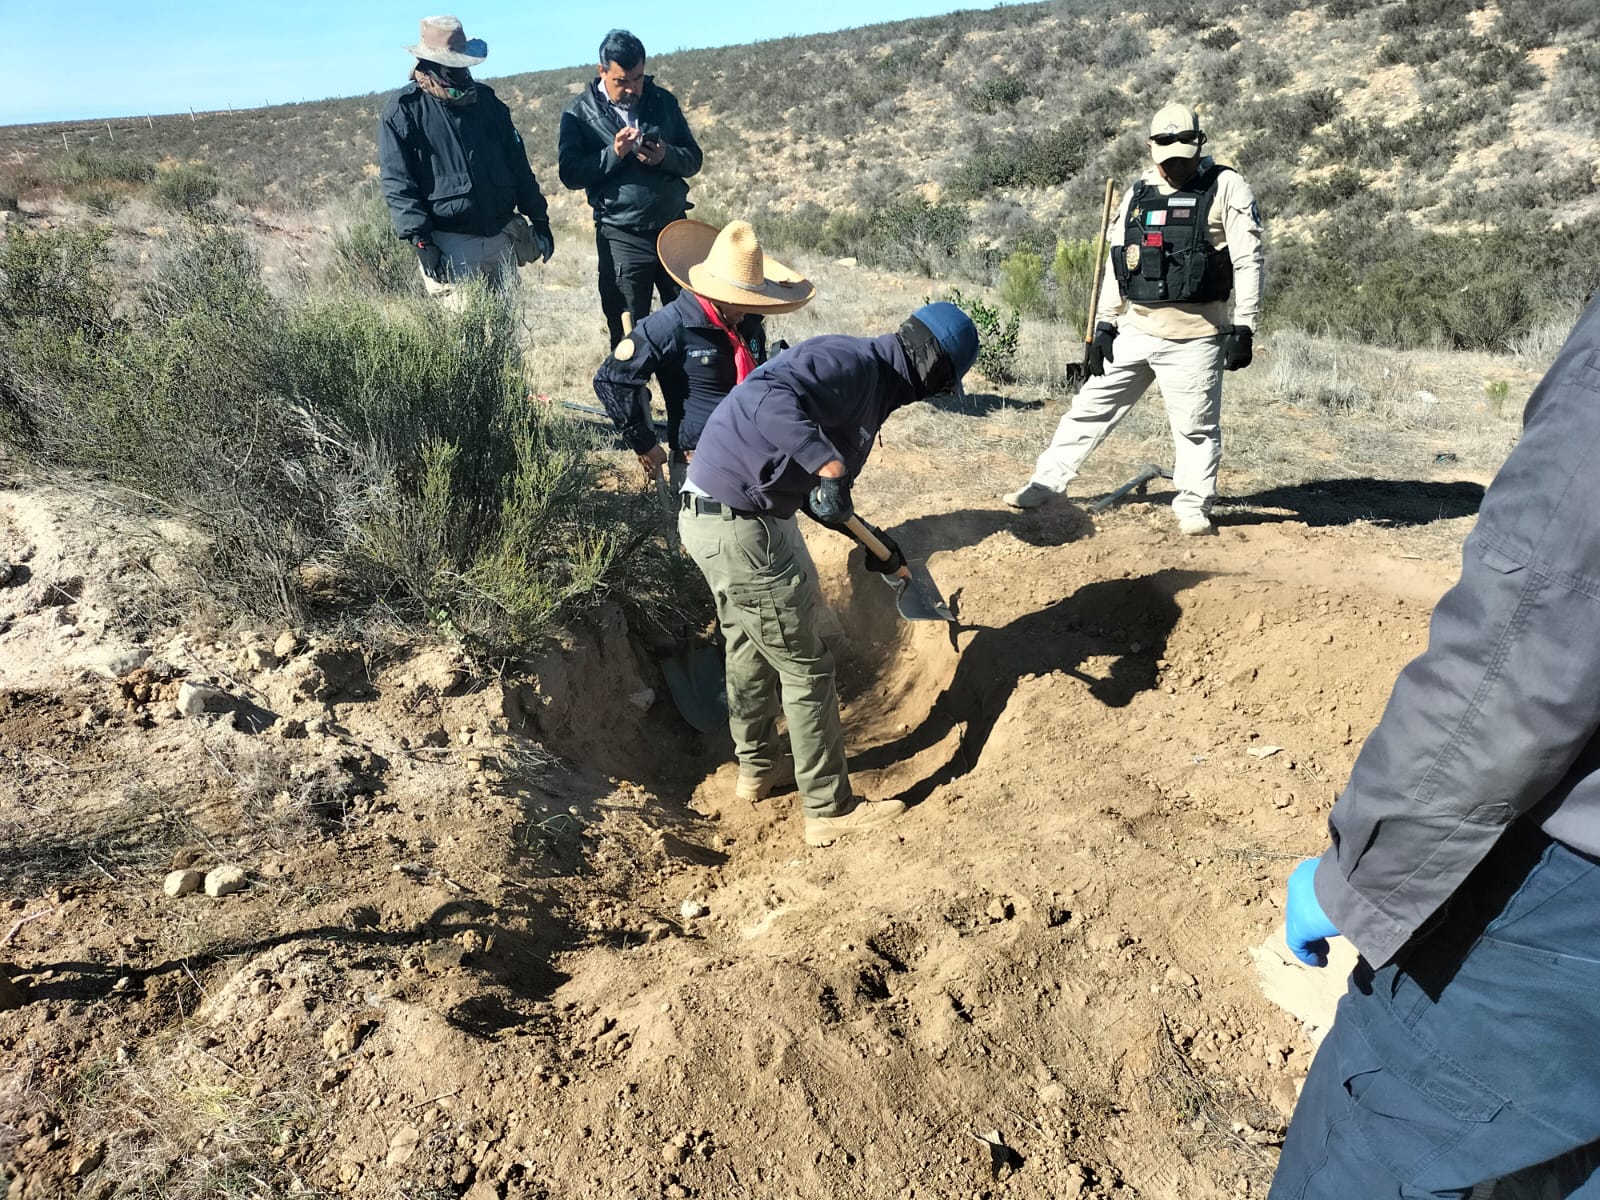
1499,720
824,399
625,192
692,359
461,168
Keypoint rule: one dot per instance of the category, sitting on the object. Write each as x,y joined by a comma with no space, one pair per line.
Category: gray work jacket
1497,720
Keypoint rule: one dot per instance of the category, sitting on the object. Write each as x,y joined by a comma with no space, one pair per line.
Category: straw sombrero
727,266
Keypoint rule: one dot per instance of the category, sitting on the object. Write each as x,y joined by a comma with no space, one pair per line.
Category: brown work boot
863,815
753,787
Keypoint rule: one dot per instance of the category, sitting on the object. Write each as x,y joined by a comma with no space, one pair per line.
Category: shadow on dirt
1127,620
1393,503
1056,524
980,404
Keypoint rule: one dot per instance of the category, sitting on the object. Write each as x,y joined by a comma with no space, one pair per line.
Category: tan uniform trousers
1189,374
493,259
776,660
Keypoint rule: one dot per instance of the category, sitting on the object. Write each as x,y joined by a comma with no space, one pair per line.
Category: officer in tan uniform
1187,242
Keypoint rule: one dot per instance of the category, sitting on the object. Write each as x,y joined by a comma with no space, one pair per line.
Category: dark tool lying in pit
916,595
1146,473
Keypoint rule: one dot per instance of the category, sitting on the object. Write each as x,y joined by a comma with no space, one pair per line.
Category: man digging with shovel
794,435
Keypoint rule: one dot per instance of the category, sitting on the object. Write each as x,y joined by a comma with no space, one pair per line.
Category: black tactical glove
1236,347
830,501
1100,348
431,258
543,239
884,566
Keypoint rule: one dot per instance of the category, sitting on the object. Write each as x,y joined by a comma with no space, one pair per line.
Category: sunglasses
1189,137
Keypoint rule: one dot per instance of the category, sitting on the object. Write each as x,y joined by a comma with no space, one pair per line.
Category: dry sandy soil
512,937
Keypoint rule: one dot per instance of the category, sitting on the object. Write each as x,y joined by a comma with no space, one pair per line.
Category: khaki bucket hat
444,42
728,266
1178,128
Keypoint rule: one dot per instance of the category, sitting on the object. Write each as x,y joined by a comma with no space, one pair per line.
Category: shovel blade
699,687
917,596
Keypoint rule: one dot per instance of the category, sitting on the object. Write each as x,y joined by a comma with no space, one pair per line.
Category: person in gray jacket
455,173
624,141
1465,861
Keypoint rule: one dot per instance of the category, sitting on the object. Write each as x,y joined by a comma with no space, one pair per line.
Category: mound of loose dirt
513,937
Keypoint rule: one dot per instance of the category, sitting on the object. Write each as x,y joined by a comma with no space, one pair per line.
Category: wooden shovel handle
865,536
1099,265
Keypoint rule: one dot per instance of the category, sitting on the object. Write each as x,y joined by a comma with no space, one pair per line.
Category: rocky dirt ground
510,936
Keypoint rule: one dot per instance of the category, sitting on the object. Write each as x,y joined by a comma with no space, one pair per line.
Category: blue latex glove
1307,925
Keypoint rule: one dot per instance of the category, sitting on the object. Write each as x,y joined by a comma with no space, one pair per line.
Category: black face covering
929,363
453,85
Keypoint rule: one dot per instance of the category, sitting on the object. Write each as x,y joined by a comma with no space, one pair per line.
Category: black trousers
629,270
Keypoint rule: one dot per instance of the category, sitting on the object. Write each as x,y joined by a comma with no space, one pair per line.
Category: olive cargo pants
776,658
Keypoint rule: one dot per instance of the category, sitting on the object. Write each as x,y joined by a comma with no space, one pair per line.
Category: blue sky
81,59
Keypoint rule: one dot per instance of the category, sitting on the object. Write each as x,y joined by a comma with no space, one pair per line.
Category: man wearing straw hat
624,141
1188,241
454,170
791,436
709,338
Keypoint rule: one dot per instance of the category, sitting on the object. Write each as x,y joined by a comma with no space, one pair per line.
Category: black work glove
883,566
1237,349
830,501
543,239
1100,348
431,258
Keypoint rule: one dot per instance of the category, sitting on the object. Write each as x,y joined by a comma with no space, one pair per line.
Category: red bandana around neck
743,361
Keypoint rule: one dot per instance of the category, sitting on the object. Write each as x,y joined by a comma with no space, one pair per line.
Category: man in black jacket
455,173
625,142
1465,862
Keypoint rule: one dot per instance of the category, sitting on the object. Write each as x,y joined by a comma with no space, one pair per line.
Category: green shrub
997,339
95,167
1022,282
186,187
992,95
1073,271
1025,160
389,443
1223,37
367,255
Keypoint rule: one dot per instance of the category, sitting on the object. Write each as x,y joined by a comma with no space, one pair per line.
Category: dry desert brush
344,445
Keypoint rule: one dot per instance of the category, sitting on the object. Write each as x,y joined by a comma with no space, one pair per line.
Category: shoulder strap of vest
1208,192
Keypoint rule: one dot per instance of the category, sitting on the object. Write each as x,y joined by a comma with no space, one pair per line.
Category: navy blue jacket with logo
822,400
459,168
625,192
693,361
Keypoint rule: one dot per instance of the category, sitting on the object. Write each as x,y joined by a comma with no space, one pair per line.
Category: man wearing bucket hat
624,141
454,170
790,437
1187,242
709,338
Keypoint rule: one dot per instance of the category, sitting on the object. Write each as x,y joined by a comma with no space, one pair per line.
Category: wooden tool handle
1099,265
868,539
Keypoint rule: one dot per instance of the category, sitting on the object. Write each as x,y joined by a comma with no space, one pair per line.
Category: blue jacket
692,359
625,192
1499,720
824,399
461,168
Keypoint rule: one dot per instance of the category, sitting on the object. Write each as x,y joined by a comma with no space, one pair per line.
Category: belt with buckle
707,507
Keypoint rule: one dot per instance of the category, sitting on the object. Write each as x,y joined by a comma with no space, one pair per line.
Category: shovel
1146,473
915,594
1077,373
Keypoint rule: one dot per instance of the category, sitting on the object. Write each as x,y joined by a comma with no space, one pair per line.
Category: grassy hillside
1403,152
